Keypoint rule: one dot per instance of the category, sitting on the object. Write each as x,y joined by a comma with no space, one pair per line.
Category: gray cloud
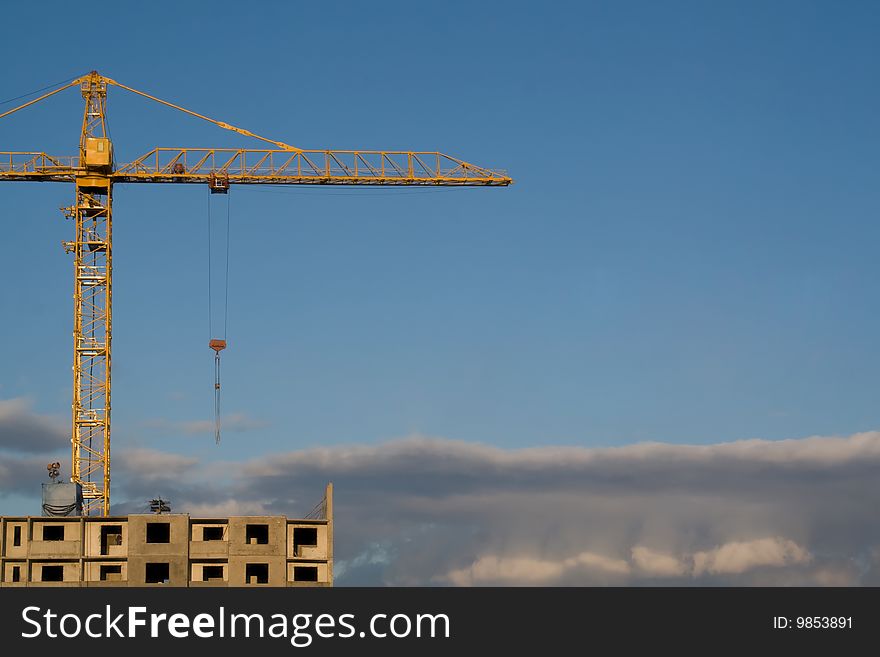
24,474
431,511
423,511
22,430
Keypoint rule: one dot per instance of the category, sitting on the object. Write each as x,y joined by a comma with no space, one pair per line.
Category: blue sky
688,253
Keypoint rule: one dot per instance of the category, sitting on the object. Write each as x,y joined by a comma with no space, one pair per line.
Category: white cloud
519,571
598,562
733,558
657,564
739,556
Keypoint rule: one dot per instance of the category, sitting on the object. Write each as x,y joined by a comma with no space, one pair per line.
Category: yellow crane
94,172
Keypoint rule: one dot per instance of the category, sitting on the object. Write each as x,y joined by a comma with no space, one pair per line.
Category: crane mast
94,172
92,302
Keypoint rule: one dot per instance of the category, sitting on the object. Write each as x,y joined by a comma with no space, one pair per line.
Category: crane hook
217,346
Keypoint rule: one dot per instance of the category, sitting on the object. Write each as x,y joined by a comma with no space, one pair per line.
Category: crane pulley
94,172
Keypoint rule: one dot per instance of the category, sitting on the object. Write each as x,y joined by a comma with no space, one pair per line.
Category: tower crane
94,172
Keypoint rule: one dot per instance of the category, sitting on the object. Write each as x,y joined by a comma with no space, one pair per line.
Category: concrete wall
299,573
10,549
99,541
70,572
271,545
238,570
92,572
201,547
245,536
298,548
178,535
138,569
43,531
197,573
9,573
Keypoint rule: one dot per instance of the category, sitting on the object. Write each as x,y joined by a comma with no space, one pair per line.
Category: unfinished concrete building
168,549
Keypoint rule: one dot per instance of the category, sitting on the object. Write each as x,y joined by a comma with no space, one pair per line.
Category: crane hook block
217,345
218,182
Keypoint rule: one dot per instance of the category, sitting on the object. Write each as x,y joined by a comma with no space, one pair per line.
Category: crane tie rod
43,97
221,124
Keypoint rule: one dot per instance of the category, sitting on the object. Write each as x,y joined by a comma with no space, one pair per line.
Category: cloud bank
425,511
430,511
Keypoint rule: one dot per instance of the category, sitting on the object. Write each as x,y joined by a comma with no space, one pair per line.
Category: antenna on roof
160,506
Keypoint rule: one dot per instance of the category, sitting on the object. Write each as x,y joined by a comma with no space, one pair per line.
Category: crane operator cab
98,154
